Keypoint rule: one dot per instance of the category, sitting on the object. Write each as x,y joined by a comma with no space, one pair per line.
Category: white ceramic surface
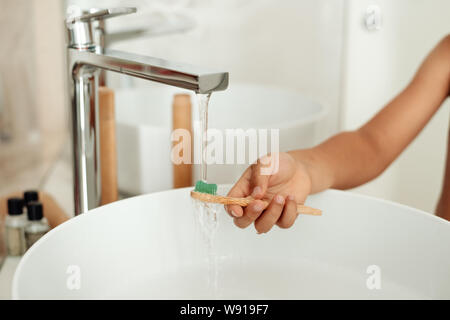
150,247
144,120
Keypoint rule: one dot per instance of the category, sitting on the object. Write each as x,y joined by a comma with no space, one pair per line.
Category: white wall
378,65
294,43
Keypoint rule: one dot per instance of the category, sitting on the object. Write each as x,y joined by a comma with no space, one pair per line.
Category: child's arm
348,159
353,158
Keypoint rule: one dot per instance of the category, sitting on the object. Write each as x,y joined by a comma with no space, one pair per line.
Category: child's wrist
318,176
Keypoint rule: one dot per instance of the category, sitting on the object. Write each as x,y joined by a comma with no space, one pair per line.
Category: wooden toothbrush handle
243,202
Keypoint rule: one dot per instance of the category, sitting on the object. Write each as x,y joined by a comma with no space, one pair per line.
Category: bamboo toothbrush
207,193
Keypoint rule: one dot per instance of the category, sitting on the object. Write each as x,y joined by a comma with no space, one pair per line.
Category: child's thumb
259,181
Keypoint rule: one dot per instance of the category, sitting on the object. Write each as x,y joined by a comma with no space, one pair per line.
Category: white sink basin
144,120
150,247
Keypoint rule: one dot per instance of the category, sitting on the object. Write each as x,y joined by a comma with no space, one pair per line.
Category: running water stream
206,213
203,102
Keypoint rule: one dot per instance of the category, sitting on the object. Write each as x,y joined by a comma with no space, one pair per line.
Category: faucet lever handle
99,15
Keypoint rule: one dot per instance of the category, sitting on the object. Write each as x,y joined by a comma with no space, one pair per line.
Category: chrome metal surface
180,75
80,30
86,59
99,14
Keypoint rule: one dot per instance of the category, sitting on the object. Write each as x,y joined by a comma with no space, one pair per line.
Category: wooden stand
108,147
182,173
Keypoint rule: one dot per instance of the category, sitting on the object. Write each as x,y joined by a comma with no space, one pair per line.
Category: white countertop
6,276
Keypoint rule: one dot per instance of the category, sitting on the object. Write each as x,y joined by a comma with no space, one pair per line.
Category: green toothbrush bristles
204,187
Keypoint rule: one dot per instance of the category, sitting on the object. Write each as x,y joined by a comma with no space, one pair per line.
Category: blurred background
339,61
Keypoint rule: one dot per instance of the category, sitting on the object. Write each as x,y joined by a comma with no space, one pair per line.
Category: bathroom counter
6,276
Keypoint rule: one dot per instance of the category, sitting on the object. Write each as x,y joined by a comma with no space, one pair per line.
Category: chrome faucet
85,59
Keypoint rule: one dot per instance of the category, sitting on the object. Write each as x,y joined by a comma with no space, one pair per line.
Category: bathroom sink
144,125
151,247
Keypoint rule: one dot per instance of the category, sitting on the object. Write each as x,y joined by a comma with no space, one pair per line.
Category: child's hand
290,185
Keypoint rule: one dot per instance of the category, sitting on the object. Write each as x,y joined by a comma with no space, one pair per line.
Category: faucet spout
180,75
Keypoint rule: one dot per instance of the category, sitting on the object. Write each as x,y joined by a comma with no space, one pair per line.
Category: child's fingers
239,190
251,213
234,210
289,214
271,215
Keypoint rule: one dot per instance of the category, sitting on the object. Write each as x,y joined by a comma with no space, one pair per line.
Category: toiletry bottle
36,227
30,196
15,223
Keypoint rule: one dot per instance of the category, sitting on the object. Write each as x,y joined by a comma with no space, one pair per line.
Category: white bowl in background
144,120
150,247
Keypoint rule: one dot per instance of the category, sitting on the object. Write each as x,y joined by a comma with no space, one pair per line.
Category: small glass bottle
15,223
30,196
36,227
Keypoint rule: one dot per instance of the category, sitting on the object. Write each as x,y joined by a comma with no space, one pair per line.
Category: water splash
206,216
